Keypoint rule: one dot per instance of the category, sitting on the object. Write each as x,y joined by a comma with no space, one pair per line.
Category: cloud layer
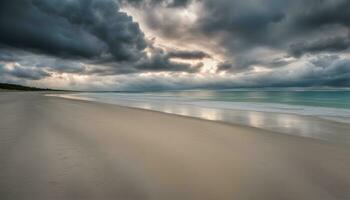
85,29
175,44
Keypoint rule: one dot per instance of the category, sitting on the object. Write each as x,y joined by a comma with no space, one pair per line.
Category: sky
175,44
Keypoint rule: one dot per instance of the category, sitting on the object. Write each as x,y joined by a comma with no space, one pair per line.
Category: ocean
319,114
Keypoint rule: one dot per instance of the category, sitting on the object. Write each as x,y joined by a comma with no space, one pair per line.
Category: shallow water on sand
316,114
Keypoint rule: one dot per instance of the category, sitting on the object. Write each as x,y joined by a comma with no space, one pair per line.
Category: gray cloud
6,56
326,70
96,38
330,44
246,22
271,22
76,32
188,54
151,3
77,28
160,62
319,13
280,25
243,26
224,66
22,72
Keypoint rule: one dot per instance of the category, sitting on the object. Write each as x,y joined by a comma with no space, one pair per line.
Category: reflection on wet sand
305,126
284,123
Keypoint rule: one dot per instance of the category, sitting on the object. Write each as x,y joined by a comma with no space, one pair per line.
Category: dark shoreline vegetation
7,86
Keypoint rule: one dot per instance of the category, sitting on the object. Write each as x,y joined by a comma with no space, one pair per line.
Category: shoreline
341,135
224,123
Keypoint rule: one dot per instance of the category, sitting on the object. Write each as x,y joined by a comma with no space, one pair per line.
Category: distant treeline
7,86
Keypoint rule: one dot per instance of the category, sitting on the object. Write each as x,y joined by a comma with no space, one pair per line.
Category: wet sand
55,148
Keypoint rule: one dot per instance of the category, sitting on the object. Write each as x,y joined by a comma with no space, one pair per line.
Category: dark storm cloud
179,3
331,44
271,22
318,13
236,66
188,54
295,27
242,26
224,66
95,37
76,32
165,3
80,28
245,64
162,63
247,21
159,61
279,62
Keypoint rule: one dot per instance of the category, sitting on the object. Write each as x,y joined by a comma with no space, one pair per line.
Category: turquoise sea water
321,98
319,114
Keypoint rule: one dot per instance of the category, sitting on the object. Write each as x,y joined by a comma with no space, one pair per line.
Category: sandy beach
55,148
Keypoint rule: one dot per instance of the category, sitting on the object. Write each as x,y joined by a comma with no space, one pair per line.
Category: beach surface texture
54,148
